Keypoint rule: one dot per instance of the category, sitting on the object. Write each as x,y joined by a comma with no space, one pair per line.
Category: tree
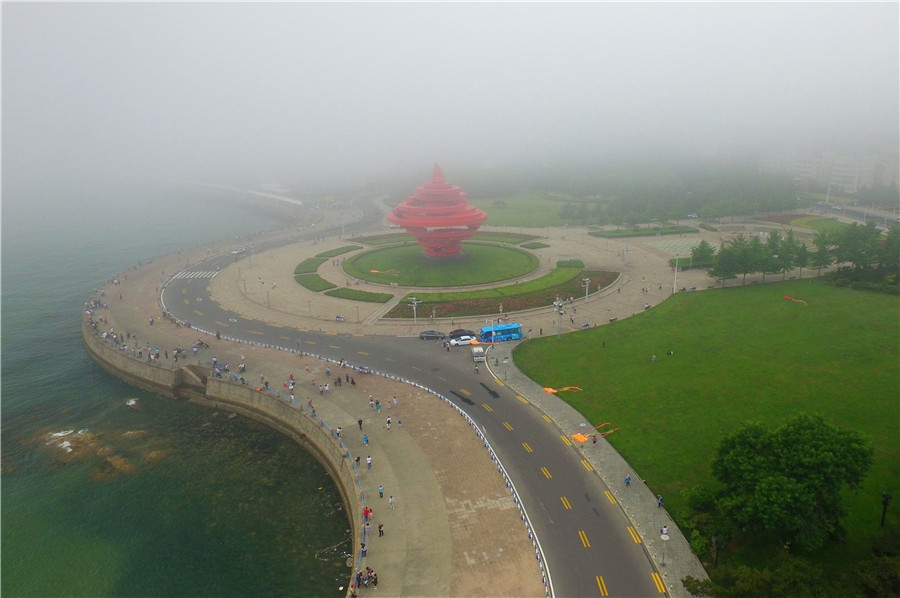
788,481
823,257
702,253
788,252
889,251
801,260
726,264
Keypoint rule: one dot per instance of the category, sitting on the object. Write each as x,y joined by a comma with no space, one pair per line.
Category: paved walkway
450,533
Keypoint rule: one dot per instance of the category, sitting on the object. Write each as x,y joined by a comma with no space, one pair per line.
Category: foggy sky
271,92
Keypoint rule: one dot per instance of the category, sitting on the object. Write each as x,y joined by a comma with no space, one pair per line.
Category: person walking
357,461
359,421
380,491
366,439
628,479
369,462
363,549
391,500
380,529
659,501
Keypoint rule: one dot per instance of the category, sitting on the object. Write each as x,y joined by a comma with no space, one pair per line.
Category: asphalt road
589,546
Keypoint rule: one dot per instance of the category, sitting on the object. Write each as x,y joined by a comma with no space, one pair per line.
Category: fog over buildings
249,92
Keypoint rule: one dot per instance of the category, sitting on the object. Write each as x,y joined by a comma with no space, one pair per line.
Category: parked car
461,340
461,332
432,335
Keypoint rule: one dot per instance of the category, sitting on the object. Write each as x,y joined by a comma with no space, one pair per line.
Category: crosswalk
203,274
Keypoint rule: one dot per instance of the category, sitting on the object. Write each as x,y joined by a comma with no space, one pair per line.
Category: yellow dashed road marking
634,536
659,582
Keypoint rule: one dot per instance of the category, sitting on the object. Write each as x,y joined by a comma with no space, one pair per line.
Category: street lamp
664,538
586,283
558,304
675,283
414,303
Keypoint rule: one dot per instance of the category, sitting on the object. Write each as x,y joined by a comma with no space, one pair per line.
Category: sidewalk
455,530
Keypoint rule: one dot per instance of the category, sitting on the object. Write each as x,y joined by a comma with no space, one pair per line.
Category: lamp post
586,283
664,538
675,283
414,303
558,304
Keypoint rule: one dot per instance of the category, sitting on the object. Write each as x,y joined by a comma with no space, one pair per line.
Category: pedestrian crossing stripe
197,274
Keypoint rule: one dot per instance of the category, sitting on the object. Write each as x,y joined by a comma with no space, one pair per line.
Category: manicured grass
407,265
645,232
403,237
740,354
562,282
338,251
313,282
501,237
822,225
535,245
524,209
357,295
386,239
309,265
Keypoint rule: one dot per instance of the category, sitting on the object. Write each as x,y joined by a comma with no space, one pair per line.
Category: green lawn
644,232
338,251
313,282
820,224
407,265
561,282
309,265
740,354
524,209
357,295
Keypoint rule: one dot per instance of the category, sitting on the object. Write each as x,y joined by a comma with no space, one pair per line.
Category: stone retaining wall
299,424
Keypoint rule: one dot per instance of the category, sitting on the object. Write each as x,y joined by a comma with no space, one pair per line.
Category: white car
461,340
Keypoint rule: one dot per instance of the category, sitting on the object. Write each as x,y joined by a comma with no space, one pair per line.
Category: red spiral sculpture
438,216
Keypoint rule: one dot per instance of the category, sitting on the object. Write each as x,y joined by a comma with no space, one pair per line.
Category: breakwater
197,384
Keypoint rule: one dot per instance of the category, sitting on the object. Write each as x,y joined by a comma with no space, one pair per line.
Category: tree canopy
788,480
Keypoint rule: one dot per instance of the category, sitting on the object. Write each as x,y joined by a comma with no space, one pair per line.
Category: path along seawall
421,566
197,384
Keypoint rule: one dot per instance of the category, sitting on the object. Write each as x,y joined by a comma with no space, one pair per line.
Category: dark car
461,332
432,335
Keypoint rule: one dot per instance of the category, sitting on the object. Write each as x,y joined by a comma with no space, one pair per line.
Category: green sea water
167,499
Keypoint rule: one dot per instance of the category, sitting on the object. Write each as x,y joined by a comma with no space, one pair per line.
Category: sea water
167,499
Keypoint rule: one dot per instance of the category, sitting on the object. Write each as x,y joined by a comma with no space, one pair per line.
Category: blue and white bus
500,332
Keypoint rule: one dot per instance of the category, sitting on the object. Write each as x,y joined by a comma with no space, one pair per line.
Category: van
478,353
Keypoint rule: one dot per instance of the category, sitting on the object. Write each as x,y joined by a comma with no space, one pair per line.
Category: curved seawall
197,385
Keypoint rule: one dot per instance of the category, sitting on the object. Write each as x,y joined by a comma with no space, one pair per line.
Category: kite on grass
556,390
801,301
582,438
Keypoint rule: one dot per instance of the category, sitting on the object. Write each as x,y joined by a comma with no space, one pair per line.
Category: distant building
845,173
